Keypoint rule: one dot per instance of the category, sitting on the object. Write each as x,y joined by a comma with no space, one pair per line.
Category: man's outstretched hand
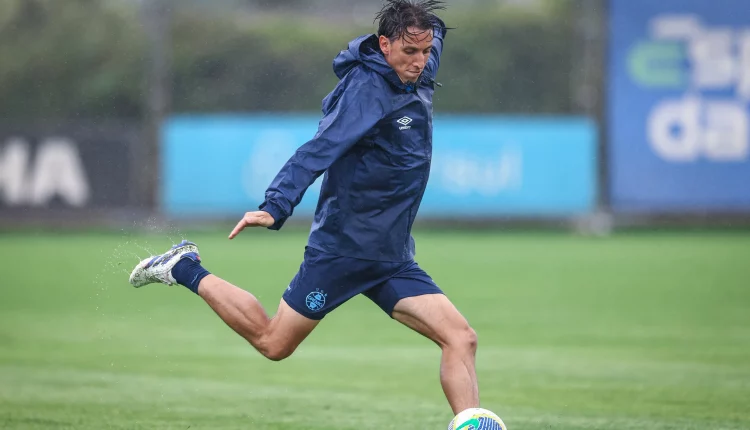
252,219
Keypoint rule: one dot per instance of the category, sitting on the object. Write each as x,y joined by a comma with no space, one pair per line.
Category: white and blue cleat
158,268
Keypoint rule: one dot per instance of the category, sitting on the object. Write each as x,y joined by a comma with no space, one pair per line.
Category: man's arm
439,32
354,114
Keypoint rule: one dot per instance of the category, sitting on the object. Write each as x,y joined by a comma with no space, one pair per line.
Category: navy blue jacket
374,144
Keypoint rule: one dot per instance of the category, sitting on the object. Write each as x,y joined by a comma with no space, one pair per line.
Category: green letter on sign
657,64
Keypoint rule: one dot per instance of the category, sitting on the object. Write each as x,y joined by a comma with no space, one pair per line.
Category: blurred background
588,210
577,112
147,89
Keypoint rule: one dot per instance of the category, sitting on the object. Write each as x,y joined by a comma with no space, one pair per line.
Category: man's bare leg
435,317
276,338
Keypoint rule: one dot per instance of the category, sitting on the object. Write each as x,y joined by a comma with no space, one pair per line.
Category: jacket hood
366,50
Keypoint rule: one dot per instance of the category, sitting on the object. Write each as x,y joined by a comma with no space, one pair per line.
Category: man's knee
470,339
275,350
283,334
464,339
278,354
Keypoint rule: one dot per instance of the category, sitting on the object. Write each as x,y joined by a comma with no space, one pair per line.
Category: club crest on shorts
316,300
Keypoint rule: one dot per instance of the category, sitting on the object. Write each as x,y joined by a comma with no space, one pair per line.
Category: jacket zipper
423,174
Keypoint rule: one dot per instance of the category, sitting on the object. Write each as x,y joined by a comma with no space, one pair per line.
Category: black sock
188,272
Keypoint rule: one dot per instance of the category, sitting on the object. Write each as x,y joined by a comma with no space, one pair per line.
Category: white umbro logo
404,122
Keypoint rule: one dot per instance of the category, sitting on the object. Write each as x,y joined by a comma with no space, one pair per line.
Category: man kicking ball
374,144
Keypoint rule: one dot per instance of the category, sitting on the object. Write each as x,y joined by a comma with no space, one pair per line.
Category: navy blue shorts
326,281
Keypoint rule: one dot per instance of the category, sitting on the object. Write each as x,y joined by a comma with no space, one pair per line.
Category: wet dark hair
397,16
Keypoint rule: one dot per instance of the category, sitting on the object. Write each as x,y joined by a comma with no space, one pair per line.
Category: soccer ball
476,419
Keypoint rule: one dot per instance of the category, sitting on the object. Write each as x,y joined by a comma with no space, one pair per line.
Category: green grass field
641,331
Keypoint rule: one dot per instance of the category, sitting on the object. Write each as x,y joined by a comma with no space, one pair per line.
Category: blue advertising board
482,166
679,99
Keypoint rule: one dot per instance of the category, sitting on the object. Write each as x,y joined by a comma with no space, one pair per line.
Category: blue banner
482,166
679,98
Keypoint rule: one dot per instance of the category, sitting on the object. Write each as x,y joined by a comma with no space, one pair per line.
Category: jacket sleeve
355,112
439,32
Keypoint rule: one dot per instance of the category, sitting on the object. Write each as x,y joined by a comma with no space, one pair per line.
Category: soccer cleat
158,268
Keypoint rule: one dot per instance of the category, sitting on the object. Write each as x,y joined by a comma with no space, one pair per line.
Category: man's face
408,55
